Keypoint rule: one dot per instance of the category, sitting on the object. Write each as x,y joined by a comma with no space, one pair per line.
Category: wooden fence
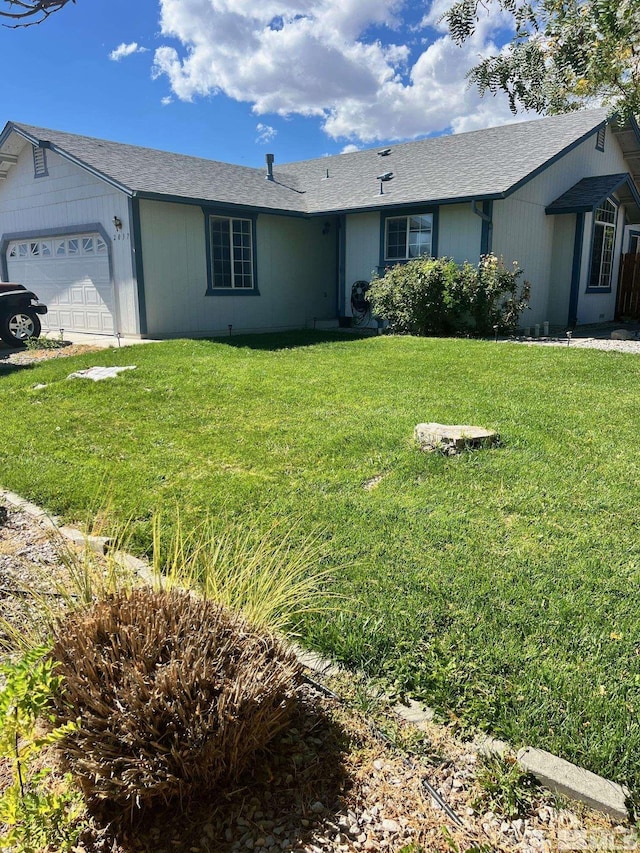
628,302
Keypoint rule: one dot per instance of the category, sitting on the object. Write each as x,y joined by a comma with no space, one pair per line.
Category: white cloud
126,50
317,58
265,133
350,149
166,100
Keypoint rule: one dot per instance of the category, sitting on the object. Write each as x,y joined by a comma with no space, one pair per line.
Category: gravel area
580,343
346,776
10,358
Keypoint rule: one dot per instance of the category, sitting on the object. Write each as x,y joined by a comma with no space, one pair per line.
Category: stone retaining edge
553,772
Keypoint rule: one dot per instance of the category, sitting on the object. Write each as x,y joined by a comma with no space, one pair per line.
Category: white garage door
71,276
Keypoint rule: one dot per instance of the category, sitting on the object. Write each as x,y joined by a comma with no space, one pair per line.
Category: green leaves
34,813
565,54
429,296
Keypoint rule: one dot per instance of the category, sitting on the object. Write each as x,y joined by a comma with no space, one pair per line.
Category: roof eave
215,204
400,205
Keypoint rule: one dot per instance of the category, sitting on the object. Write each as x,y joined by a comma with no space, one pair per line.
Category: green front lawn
501,586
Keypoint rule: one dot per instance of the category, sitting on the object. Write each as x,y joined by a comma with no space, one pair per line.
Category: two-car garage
70,273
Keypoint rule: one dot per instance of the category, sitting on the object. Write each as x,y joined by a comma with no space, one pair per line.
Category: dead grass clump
174,695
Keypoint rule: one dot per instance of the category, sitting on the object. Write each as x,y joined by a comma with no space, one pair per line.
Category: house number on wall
119,235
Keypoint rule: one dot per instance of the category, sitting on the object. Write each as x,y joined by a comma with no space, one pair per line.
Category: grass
500,586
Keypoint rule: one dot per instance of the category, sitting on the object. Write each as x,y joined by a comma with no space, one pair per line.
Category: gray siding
560,271
362,251
523,232
459,233
69,197
296,274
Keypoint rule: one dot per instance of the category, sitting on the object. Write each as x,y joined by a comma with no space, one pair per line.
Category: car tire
16,327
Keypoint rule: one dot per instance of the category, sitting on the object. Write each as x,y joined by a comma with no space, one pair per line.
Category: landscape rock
453,438
97,374
623,335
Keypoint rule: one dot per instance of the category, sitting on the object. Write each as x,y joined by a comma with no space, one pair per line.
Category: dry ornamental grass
173,693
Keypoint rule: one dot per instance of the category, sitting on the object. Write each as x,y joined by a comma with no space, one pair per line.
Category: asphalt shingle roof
587,193
152,172
475,165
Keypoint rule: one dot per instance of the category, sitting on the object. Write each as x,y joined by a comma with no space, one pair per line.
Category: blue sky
233,79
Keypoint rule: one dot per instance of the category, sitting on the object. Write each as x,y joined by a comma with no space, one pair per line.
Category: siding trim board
486,235
576,271
342,266
137,264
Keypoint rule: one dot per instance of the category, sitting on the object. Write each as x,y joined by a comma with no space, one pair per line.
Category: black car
19,309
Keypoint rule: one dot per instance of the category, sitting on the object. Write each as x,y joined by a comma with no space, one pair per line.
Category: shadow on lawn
8,367
288,340
278,799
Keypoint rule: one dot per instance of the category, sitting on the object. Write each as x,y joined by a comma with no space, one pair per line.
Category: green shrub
37,809
44,343
175,694
436,296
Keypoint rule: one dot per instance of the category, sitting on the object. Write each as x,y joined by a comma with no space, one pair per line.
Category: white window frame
407,219
236,276
609,230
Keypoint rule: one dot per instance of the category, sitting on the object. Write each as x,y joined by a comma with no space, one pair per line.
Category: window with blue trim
408,237
231,253
602,248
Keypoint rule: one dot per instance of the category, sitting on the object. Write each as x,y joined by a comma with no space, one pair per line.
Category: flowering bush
437,296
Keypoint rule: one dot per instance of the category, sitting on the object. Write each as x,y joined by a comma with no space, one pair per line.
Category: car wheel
19,326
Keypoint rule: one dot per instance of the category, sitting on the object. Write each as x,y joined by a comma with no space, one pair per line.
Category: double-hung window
602,248
231,242
408,237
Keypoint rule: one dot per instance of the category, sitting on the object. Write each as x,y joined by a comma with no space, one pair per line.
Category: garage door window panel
72,276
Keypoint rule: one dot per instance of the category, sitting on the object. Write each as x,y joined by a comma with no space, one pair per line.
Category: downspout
486,214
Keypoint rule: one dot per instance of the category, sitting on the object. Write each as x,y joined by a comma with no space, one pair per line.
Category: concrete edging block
95,543
562,777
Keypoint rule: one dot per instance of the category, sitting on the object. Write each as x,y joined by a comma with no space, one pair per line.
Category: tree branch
28,13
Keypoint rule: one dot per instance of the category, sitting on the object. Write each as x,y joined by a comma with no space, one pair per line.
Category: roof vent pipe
269,158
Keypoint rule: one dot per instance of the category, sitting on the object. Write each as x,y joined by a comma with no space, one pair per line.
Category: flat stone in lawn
453,438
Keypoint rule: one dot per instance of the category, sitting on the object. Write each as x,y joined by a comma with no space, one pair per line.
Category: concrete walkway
104,341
